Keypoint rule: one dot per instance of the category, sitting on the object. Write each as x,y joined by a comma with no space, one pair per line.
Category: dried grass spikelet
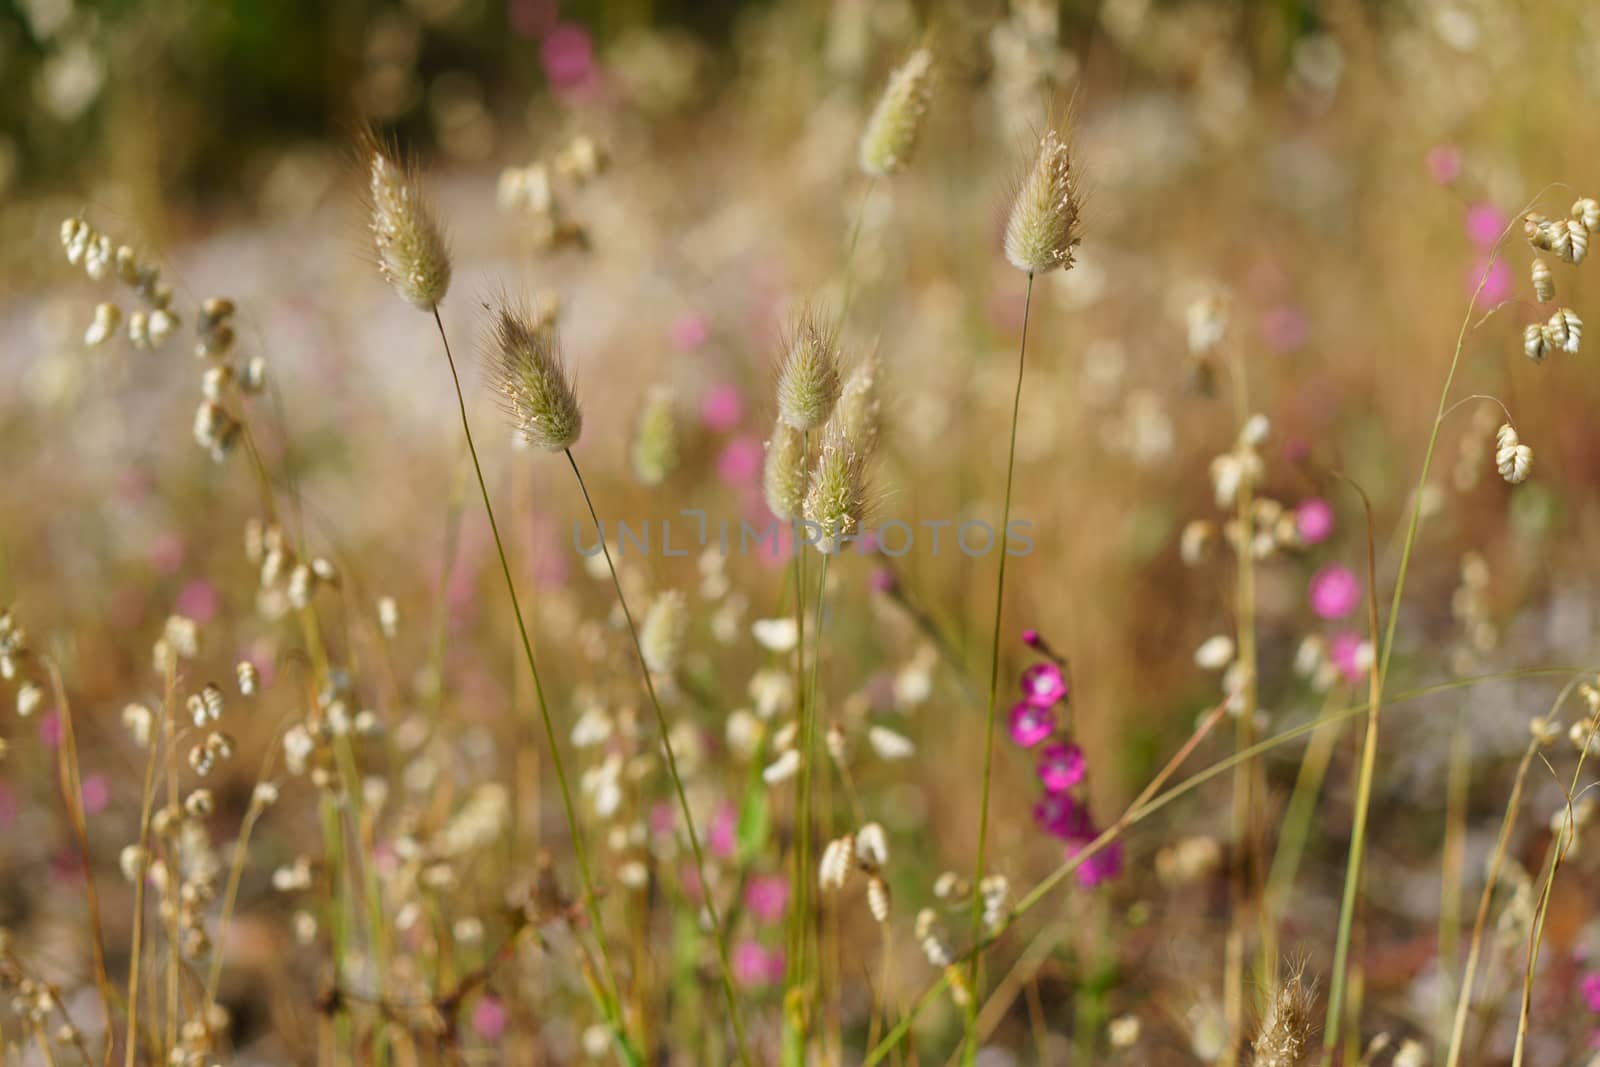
1564,330
528,374
808,379
1284,1039
859,413
654,451
1587,211
1544,285
785,476
661,637
1512,458
836,502
1043,228
1535,342
891,134
413,254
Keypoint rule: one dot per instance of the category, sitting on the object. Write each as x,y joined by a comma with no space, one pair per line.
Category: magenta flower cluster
1062,811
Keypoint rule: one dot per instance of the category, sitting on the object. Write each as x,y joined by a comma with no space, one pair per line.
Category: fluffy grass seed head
1285,1036
1043,228
859,412
891,134
413,255
661,638
654,451
531,379
836,502
785,476
808,380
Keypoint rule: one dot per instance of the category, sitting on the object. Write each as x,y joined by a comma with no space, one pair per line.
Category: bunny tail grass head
1043,228
661,638
413,255
858,414
784,477
808,380
891,134
836,502
531,380
654,450
1286,1032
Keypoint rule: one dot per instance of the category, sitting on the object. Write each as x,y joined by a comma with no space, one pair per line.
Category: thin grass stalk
1369,760
1296,824
794,1022
971,1036
808,749
718,935
1152,800
1564,840
70,776
1242,820
147,799
611,997
1330,1030
1452,868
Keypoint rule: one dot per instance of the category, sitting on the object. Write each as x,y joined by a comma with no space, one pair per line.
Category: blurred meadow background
1285,758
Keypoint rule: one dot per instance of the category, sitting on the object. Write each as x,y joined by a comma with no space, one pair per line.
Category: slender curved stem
611,1001
994,672
717,933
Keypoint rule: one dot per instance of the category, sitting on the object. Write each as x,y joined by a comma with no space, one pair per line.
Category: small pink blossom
1285,329
198,600
721,407
1060,815
1345,651
1496,283
50,729
755,967
1313,520
1444,164
740,461
1335,591
1485,223
724,834
1100,867
568,56
1031,724
96,793
489,1018
688,332
1061,766
1043,685
767,897
664,819
1589,987
881,580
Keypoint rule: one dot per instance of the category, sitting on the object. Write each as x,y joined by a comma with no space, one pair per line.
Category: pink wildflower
1042,684
1313,520
1031,724
1061,766
1335,591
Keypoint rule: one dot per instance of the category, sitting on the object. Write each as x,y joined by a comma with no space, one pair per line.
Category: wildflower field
841,532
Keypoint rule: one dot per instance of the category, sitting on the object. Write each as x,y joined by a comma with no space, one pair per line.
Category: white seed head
1512,458
890,745
782,769
836,501
1536,341
838,859
1587,211
655,439
859,414
1564,330
892,131
872,846
661,637
107,317
1544,285
808,379
1043,228
531,380
785,474
1214,653
413,255
878,898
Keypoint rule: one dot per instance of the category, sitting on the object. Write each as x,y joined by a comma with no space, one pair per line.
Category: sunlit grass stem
611,1000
